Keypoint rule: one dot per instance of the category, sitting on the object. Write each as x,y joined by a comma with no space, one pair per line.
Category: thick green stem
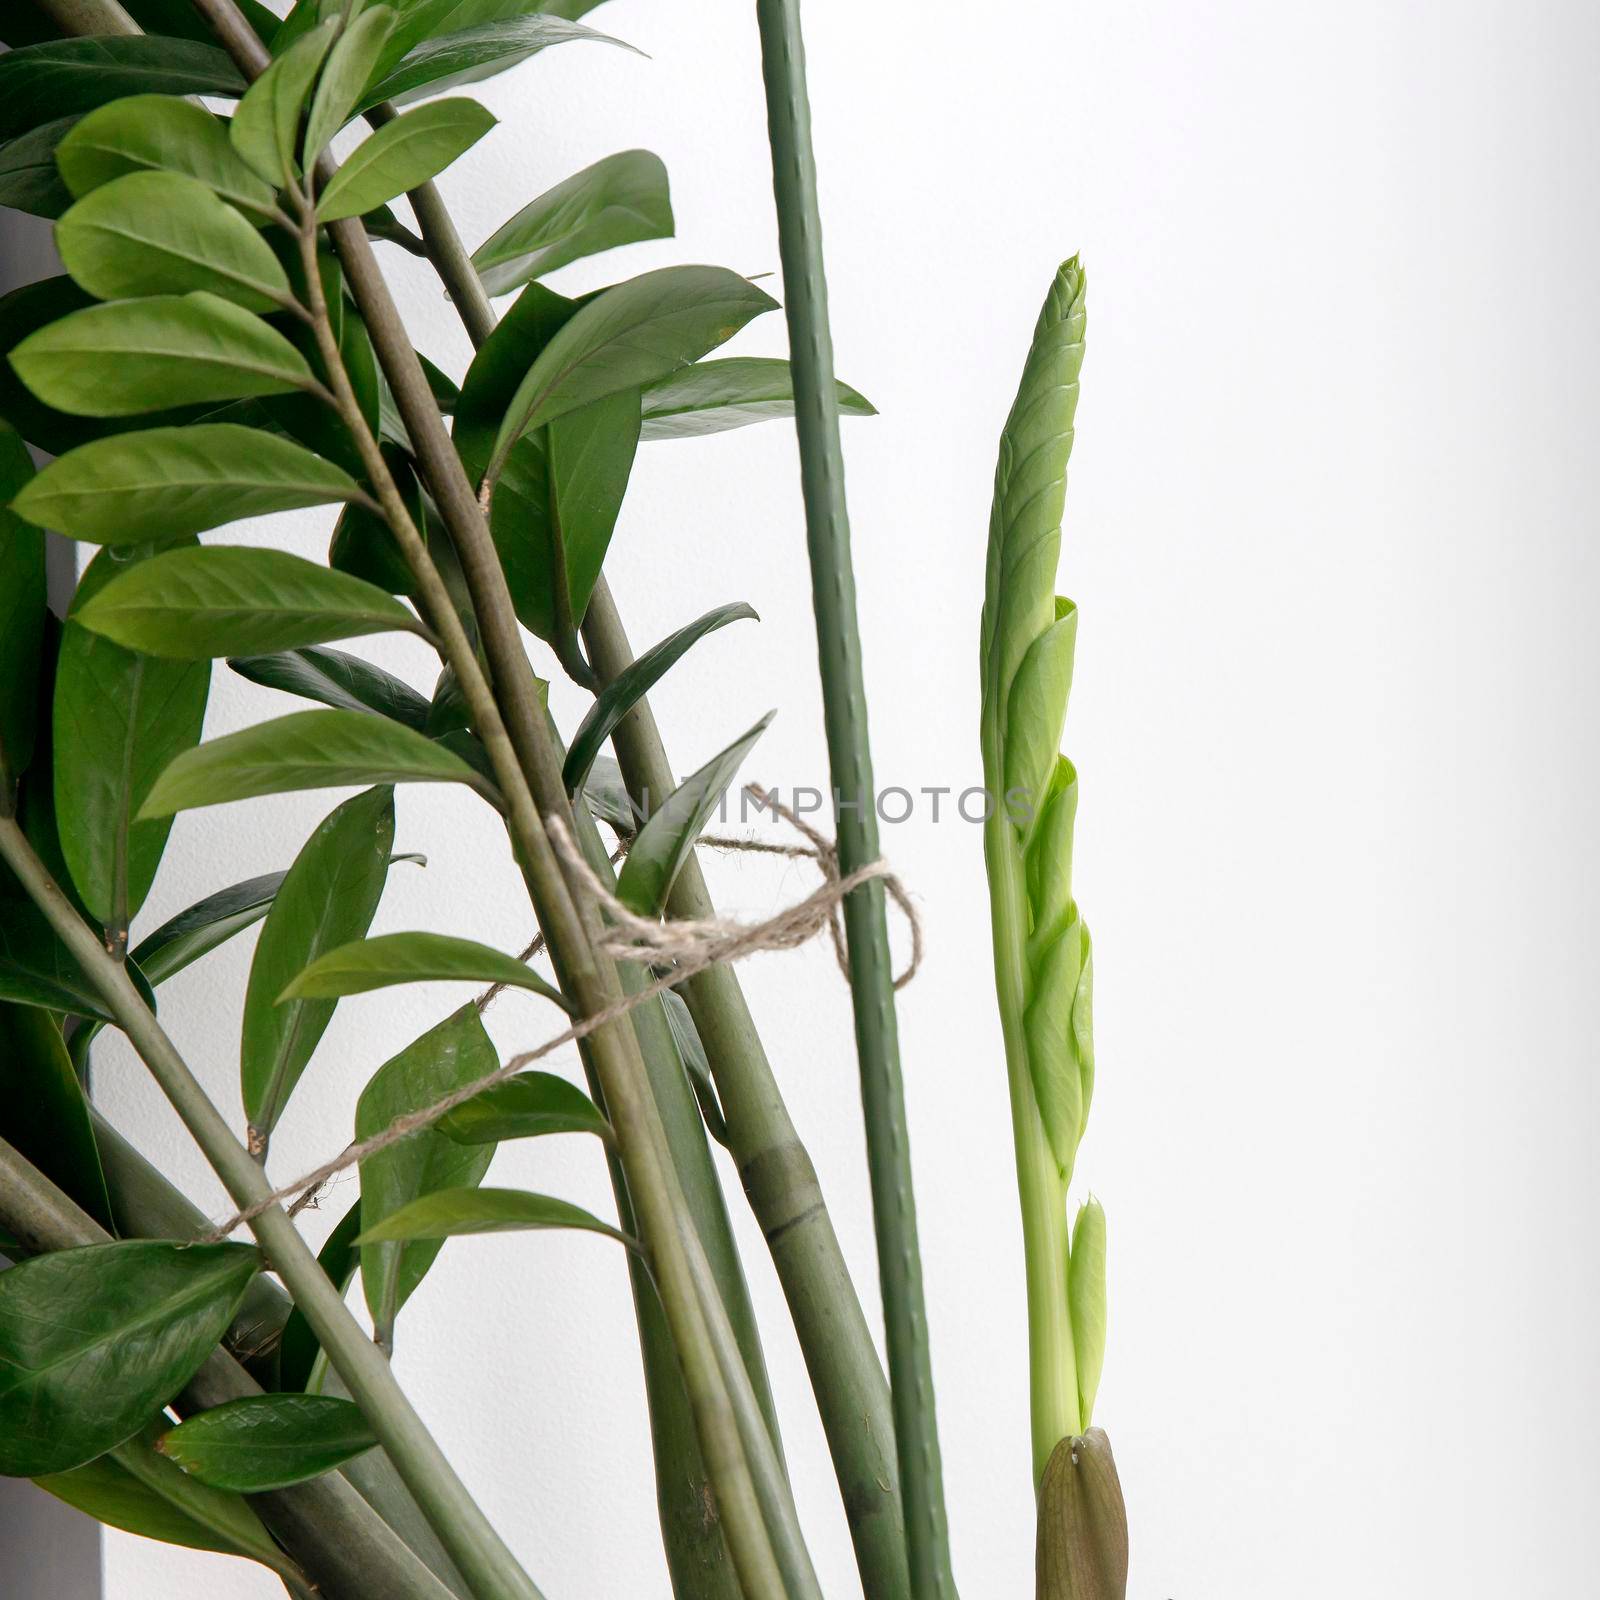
779,1179
89,16
332,1533
1052,1358
850,761
462,1527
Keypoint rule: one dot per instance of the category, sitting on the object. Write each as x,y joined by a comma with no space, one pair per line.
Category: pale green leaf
713,396
163,483
619,200
266,128
401,155
1086,1299
165,233
168,350
196,604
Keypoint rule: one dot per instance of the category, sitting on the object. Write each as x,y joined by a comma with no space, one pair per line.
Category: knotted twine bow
685,948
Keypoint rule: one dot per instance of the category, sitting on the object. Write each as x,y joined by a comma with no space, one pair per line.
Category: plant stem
462,1527
1052,1360
89,16
779,1179
845,714
338,1539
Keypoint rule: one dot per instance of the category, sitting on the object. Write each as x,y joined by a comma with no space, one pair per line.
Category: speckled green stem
794,182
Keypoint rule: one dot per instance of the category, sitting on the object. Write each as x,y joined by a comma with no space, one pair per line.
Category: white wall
1331,531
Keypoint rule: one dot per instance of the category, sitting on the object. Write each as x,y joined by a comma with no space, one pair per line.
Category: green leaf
266,128
713,396
555,511
36,969
350,65
1037,708
327,898
298,1346
607,798
1049,859
1086,1298
628,336
402,154
630,686
164,233
197,931
195,604
692,1053
448,1212
120,718
1055,1062
336,679
393,958
107,1491
44,1114
57,79
160,133
524,1107
163,483
473,54
429,19
454,1053
169,350
664,843
29,180
93,1341
622,199
22,613
268,1441
305,750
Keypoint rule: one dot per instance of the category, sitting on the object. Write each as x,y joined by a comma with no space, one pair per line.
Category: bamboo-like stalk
780,1181
774,1165
462,1527
340,1542
89,16
794,181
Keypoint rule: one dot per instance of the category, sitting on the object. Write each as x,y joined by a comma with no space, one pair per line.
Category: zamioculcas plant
222,344
1042,958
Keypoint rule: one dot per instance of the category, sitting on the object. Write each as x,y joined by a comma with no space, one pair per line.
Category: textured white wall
1331,531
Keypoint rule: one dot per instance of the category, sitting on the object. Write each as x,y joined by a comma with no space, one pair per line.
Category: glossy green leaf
555,511
120,717
1086,1298
160,133
327,898
163,483
431,19
473,54
268,1441
337,679
628,336
1037,708
164,233
713,396
350,64
665,841
393,958
199,603
22,615
620,200
630,686
36,969
107,1491
446,1213
169,350
298,1346
454,1053
65,76
29,179
200,928
305,750
94,1341
44,1114
402,154
527,1106
266,128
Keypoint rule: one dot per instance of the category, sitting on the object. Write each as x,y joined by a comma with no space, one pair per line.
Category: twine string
682,948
